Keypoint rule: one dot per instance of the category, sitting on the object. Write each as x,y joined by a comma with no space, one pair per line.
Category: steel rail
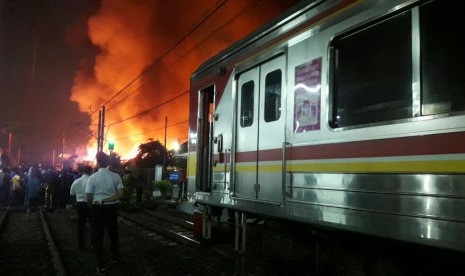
4,221
56,257
161,230
178,221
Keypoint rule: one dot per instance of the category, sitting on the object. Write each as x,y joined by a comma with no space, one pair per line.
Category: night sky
62,59
37,67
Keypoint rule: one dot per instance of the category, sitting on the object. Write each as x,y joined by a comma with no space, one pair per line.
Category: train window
247,102
442,58
372,73
273,96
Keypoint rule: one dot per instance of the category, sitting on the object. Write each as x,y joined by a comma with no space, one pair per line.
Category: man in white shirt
103,190
78,191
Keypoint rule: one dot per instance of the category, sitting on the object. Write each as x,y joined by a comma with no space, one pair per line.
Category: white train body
345,114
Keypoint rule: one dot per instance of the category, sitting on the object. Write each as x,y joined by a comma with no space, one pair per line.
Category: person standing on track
103,190
16,186
32,187
78,194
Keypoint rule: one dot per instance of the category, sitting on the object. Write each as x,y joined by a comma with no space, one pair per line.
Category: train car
340,113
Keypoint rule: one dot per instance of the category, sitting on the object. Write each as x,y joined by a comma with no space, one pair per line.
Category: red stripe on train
448,143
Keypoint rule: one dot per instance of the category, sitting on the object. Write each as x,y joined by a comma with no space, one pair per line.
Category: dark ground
25,252
147,253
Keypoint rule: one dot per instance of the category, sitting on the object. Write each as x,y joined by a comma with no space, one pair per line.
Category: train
339,114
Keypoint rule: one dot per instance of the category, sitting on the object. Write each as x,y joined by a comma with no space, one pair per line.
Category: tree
176,161
150,154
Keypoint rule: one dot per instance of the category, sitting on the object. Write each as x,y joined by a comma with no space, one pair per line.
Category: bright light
132,153
176,146
91,152
193,137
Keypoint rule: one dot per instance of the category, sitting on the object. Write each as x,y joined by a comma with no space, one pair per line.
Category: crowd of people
36,185
94,195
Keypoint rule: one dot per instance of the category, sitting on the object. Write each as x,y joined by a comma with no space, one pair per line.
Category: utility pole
164,155
102,135
101,129
10,137
53,159
19,156
62,151
166,127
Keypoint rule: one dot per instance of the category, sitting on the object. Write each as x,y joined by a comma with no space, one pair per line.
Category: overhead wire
187,52
151,66
226,23
150,131
143,112
196,25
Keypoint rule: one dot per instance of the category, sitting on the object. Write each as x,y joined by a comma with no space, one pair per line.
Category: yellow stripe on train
435,166
448,166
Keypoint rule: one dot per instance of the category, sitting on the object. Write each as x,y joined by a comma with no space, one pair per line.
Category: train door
246,135
260,132
271,130
204,139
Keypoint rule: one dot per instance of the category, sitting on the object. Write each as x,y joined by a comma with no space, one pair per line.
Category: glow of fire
131,36
131,154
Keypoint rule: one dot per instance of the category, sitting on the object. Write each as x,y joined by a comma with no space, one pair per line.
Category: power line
139,114
231,19
163,56
124,98
154,130
226,23
149,109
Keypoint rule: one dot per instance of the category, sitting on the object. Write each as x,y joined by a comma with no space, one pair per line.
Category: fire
135,67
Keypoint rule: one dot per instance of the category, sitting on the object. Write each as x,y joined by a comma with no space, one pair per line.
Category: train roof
291,14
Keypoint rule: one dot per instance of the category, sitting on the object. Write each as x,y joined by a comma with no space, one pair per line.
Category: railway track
144,251
157,242
27,245
172,227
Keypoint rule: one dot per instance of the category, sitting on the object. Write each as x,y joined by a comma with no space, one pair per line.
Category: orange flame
134,35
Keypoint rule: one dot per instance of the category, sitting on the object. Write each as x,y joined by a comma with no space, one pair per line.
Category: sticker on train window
307,96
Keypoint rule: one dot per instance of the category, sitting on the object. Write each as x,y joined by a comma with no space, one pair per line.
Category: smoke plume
142,62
